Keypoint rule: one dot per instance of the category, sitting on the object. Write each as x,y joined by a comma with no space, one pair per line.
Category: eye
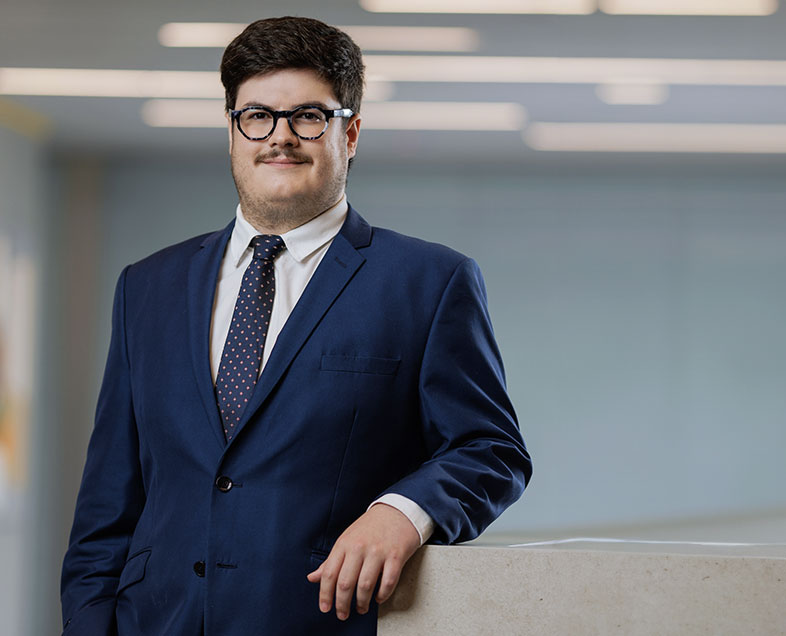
309,116
256,115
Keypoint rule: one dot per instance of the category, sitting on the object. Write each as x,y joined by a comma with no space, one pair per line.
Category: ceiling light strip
577,7
64,82
458,116
554,7
199,34
410,68
399,38
184,113
690,7
452,116
109,83
369,38
576,70
656,137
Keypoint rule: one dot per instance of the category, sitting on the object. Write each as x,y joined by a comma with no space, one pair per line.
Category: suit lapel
332,275
202,277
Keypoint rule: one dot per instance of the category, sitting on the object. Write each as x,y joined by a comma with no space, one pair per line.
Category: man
291,405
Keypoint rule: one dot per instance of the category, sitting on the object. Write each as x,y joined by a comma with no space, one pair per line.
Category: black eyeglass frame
287,114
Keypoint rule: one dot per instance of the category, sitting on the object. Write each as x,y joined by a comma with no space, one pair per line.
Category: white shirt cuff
419,518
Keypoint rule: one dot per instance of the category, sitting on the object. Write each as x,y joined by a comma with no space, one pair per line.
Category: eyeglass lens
306,122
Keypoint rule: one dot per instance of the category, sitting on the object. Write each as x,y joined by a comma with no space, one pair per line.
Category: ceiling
104,35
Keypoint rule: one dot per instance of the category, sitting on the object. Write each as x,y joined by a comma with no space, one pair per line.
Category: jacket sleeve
110,499
478,463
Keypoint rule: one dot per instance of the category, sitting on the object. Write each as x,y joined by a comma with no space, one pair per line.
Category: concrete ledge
478,591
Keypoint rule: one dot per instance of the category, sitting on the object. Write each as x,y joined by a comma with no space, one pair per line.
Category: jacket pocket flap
318,558
134,570
360,364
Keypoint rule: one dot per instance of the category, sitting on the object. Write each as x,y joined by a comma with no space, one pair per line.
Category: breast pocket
360,364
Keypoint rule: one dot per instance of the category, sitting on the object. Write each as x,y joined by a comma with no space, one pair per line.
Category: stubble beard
280,215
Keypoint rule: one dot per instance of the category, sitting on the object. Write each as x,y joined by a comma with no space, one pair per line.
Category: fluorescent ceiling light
398,38
628,137
184,113
575,70
576,7
690,7
199,34
377,90
409,68
109,83
632,93
455,116
369,38
459,116
82,82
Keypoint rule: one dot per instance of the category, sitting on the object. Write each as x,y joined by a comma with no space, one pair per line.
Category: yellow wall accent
23,120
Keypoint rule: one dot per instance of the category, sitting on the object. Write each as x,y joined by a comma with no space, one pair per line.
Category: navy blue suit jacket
385,378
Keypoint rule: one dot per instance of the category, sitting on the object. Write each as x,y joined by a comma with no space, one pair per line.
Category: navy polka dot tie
245,341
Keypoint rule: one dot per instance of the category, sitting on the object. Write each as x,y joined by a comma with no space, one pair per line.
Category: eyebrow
256,104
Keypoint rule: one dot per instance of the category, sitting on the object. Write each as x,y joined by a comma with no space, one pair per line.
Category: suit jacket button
199,568
224,483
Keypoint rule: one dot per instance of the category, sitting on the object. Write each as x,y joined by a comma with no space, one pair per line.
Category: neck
279,219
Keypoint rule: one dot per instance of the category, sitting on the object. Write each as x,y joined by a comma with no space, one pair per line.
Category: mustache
277,154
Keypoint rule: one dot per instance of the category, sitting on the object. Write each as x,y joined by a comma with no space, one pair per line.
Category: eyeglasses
257,123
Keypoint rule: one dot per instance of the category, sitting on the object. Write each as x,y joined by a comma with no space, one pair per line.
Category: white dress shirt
293,268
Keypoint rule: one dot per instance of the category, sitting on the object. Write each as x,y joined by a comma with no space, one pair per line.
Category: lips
282,162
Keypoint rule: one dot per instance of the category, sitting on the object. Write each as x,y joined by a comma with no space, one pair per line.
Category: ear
229,129
353,132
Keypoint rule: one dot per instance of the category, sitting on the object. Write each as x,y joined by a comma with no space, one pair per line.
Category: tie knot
267,246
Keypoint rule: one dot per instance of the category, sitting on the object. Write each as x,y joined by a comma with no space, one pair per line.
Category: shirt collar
301,241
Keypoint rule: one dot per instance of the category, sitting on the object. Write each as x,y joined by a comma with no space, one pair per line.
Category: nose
282,134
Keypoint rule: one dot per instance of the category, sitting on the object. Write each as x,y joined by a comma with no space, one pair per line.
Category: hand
379,542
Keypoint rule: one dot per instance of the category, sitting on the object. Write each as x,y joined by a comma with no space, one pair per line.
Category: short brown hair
275,44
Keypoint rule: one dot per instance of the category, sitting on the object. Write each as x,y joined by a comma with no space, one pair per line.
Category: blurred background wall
637,297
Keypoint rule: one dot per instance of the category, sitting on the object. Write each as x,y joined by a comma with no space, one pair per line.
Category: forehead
285,88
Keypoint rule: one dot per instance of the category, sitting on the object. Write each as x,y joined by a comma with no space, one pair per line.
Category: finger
316,575
346,582
327,582
367,579
391,572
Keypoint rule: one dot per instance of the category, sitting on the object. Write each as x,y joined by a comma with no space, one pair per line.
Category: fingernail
324,607
342,616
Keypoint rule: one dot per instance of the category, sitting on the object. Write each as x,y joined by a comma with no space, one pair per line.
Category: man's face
284,181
